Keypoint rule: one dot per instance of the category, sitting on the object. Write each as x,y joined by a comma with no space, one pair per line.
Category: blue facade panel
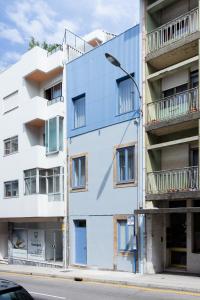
92,75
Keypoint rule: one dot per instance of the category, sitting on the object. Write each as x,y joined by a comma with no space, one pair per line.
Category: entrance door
176,240
54,245
80,242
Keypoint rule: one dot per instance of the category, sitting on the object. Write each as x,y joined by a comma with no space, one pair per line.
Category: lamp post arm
131,77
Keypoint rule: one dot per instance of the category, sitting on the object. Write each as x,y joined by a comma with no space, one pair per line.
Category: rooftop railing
173,30
174,106
177,180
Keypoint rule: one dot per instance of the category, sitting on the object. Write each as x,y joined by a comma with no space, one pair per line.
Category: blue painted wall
93,75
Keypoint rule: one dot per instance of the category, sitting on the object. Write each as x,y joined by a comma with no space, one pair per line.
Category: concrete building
102,112
171,107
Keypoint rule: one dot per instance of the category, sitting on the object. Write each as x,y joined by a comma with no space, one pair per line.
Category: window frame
51,89
125,183
46,176
122,252
59,135
11,141
119,81
74,100
72,159
11,182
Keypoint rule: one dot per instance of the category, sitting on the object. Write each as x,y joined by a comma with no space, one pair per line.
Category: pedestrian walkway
163,281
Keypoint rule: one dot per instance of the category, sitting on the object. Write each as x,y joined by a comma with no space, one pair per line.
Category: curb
155,286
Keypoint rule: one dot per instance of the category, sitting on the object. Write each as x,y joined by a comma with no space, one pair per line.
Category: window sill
78,189
10,197
53,152
124,113
79,127
125,184
125,253
5,155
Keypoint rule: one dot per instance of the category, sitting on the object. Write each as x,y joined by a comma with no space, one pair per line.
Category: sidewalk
162,281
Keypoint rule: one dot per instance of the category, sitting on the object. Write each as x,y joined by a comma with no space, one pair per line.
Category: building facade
171,95
32,206
102,131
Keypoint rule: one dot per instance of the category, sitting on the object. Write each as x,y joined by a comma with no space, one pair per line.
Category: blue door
80,242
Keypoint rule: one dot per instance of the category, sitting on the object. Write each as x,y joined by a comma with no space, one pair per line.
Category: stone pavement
178,282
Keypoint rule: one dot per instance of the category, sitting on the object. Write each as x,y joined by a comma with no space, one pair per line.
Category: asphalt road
43,288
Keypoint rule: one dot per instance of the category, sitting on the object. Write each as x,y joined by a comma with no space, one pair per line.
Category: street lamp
117,64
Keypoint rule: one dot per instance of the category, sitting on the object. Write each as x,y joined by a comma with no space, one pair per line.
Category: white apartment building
32,158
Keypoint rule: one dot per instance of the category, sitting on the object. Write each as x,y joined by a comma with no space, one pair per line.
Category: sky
46,20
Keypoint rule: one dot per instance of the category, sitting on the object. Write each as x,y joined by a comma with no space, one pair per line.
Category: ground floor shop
173,237
32,241
106,242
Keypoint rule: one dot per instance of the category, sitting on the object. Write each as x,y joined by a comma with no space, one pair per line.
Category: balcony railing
174,106
173,31
55,100
177,180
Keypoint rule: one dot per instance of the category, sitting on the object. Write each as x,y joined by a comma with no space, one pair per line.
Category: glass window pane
15,188
57,90
7,147
33,172
52,135
42,185
75,171
126,96
33,185
121,165
7,187
82,171
130,152
79,112
129,245
122,235
50,184
27,186
60,133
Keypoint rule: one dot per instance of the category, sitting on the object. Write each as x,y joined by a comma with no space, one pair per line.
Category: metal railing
55,100
173,30
76,42
177,180
173,106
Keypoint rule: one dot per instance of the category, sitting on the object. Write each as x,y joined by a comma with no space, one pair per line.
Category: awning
153,211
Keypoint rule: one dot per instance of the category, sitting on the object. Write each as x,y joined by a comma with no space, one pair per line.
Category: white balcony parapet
173,30
173,106
177,180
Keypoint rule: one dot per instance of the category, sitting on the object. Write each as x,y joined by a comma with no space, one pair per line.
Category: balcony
179,108
172,182
173,31
174,106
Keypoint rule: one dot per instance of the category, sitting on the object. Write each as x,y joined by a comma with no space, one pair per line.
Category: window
194,79
54,135
125,164
30,181
11,145
126,96
79,111
55,179
45,181
11,188
79,172
196,233
54,93
125,236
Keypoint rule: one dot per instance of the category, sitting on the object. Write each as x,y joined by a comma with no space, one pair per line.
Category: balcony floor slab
175,52
174,125
174,196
